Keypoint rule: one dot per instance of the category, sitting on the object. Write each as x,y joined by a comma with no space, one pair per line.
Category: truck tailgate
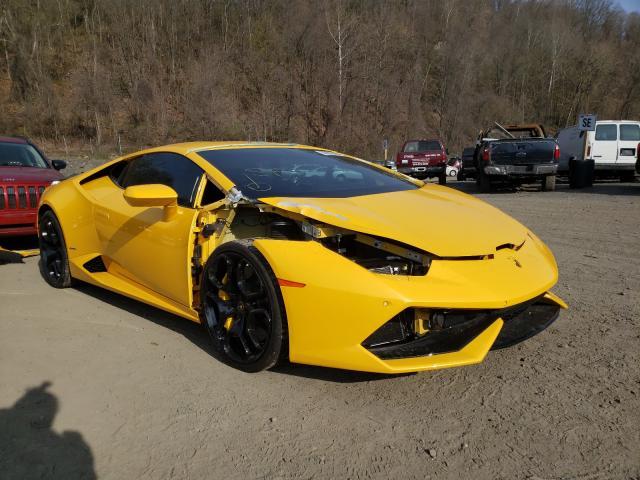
529,151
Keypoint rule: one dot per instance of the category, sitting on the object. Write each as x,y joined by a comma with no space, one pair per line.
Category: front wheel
54,262
242,308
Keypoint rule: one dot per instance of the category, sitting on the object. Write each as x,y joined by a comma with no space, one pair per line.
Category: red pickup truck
24,174
423,159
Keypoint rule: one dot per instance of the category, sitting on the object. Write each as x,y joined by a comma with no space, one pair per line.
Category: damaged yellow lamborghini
289,252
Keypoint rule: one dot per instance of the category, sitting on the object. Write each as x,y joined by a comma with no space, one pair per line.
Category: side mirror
59,164
153,195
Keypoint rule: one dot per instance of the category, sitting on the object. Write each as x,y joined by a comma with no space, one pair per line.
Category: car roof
14,140
617,121
191,147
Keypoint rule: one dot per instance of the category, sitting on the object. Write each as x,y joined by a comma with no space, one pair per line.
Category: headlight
55,182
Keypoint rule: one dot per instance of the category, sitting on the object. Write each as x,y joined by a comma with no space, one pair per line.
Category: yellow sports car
293,252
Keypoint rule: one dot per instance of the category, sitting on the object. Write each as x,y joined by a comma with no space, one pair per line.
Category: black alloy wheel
242,308
54,262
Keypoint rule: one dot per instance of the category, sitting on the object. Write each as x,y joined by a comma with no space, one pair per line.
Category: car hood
28,175
438,220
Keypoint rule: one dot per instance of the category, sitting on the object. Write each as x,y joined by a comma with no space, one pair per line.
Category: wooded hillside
338,73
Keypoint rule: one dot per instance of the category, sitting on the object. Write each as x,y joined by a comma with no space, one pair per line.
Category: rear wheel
549,183
484,183
242,308
54,262
629,176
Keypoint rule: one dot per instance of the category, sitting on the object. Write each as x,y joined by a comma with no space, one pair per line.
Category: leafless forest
339,73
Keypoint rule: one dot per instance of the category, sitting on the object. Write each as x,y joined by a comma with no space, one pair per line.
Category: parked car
391,164
614,146
453,166
468,169
516,154
315,270
25,172
423,159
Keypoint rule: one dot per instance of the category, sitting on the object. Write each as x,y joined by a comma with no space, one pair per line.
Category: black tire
484,183
442,178
242,308
627,177
54,260
549,183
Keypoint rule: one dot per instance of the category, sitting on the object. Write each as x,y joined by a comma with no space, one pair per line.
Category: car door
146,246
605,146
628,143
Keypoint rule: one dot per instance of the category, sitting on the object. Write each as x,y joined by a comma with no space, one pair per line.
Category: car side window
607,132
630,132
169,169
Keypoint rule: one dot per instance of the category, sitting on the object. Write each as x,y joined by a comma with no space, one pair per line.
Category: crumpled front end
344,315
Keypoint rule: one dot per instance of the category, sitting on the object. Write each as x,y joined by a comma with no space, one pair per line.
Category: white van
614,146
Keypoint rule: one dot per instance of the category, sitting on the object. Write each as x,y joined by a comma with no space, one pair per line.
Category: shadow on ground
196,334
19,243
30,448
8,244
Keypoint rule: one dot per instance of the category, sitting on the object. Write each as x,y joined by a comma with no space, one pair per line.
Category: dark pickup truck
516,154
468,169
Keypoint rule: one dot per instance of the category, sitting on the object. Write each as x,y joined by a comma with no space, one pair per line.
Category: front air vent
95,265
21,196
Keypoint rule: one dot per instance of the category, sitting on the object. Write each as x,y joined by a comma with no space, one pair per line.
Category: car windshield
422,146
295,172
20,155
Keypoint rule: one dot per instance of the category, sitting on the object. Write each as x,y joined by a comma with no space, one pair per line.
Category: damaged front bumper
458,328
341,305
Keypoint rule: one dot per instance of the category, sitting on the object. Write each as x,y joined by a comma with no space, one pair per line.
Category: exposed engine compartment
374,258
379,256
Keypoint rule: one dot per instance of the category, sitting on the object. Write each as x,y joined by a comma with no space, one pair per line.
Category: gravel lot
133,393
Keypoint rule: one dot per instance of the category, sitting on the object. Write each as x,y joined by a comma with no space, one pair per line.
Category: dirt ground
93,384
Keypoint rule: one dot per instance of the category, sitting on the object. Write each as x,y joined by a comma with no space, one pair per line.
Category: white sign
385,144
587,123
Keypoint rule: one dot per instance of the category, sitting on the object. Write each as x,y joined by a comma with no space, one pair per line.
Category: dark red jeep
423,159
24,174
